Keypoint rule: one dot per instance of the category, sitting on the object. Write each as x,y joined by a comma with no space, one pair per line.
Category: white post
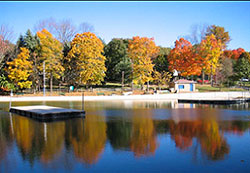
11,94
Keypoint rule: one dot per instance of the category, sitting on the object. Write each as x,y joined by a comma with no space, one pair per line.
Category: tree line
78,57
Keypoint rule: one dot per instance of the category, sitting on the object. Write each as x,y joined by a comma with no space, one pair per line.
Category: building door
191,87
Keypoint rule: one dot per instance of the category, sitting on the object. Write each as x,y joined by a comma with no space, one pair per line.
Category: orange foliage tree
141,50
184,58
233,54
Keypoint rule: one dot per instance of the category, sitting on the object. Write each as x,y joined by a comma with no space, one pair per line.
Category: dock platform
213,101
47,113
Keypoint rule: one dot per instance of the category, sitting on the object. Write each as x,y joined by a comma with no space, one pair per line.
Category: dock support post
44,85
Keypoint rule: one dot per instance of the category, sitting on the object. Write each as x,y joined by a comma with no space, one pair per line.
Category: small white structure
183,85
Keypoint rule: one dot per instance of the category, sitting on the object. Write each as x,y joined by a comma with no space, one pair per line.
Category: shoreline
155,97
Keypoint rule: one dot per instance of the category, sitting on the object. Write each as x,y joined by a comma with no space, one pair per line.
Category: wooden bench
100,94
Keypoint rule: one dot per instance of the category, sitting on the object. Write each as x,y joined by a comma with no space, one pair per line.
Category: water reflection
143,135
135,131
88,138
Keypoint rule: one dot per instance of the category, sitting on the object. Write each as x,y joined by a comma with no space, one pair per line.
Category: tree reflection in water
54,140
205,128
89,138
143,138
85,139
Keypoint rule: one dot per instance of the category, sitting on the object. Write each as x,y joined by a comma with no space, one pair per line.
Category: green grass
208,88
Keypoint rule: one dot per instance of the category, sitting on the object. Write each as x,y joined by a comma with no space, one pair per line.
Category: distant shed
183,85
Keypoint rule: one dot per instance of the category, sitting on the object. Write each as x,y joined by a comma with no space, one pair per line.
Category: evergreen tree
242,66
161,61
117,60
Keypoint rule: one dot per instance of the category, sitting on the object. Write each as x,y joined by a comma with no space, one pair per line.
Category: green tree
117,60
70,66
51,54
242,66
161,61
5,85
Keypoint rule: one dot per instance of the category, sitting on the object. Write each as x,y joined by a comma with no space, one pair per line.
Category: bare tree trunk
203,76
211,75
147,86
51,83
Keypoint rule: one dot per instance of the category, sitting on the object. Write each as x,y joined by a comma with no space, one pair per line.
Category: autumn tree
51,55
117,61
210,52
162,78
220,34
184,59
32,43
86,52
233,54
142,50
19,69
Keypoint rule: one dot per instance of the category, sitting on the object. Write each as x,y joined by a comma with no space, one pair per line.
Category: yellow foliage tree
86,51
51,54
141,50
161,79
210,51
20,69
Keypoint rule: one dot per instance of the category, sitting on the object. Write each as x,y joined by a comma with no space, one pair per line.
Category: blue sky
165,21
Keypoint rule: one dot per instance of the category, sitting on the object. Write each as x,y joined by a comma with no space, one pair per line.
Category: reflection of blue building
183,85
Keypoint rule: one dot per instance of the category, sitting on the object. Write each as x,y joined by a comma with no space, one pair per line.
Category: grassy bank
209,88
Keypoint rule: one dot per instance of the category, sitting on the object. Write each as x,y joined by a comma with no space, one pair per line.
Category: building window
181,86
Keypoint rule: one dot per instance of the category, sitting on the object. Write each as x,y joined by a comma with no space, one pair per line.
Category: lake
128,136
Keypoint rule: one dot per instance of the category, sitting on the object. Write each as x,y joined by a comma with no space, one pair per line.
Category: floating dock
211,101
47,113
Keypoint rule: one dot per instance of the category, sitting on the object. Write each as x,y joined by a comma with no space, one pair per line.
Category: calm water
129,137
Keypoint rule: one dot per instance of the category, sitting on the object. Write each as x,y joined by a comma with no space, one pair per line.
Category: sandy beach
167,97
